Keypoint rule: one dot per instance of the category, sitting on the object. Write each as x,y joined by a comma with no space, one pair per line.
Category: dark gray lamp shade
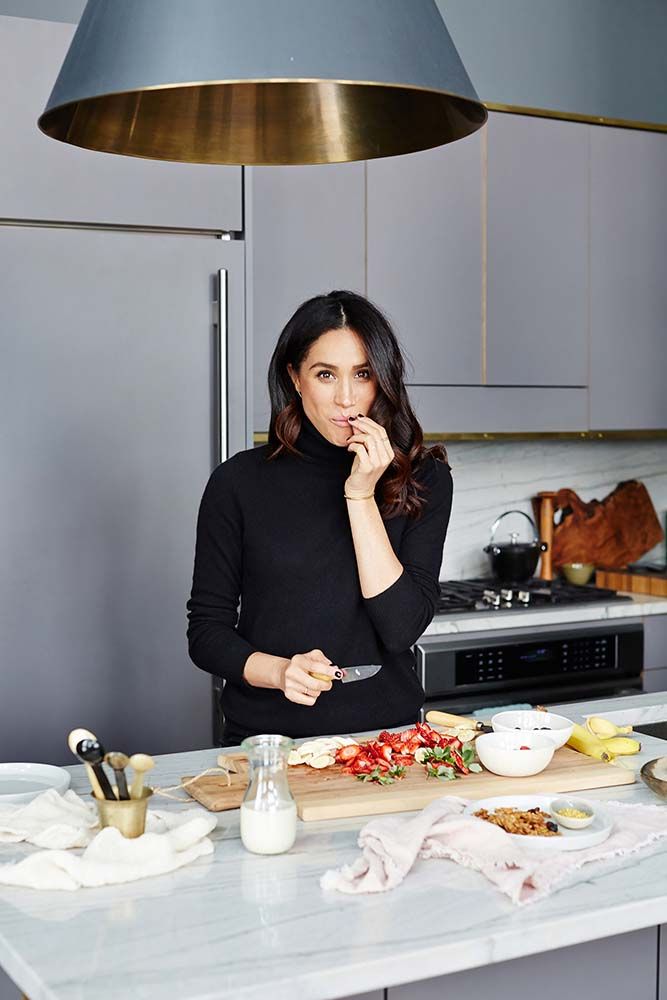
261,81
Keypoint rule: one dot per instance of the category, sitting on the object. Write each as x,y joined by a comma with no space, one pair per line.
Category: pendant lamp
261,81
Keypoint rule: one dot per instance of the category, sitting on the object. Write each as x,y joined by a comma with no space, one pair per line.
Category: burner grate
488,594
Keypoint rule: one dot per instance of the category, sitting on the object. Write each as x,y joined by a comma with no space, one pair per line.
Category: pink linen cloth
391,845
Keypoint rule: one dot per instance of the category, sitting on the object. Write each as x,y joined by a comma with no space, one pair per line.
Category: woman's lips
341,421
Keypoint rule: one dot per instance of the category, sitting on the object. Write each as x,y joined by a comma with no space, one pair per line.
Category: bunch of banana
603,740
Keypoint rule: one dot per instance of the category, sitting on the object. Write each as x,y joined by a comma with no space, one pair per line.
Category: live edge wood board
330,794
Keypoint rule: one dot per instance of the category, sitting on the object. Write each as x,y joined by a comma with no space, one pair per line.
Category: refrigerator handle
223,444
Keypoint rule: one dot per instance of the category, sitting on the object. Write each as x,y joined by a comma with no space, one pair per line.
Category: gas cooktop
488,594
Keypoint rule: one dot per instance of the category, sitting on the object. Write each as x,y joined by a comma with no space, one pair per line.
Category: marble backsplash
492,477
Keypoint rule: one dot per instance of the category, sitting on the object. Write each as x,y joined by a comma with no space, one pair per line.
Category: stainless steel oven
464,672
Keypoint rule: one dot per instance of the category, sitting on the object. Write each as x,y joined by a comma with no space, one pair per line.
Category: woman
331,535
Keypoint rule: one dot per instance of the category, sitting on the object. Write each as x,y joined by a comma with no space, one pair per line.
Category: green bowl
577,573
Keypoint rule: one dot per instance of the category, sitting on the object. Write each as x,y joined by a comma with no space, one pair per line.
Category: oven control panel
571,657
534,660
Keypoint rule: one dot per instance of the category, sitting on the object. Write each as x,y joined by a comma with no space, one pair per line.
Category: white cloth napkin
60,822
391,845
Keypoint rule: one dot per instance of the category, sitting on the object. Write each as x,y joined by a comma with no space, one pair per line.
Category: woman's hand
296,681
373,454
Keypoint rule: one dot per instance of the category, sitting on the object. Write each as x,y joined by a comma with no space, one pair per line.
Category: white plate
23,782
569,840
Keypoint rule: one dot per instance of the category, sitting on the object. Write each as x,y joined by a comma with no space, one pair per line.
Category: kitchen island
235,926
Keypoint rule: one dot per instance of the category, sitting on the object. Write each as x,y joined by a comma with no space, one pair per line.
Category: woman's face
335,383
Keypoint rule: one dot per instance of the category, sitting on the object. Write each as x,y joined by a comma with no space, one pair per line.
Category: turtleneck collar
315,447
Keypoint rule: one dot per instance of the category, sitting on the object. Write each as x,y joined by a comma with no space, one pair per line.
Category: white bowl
501,753
22,782
569,821
559,729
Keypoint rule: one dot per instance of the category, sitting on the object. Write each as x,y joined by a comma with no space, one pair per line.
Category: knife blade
359,673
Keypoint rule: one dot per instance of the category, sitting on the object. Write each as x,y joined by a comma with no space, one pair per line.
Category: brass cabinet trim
262,437
573,116
485,248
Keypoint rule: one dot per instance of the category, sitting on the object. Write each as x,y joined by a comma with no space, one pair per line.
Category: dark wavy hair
336,311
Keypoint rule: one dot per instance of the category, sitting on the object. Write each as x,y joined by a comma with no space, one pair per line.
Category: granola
528,822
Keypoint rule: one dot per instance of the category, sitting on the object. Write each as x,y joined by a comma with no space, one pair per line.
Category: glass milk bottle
268,811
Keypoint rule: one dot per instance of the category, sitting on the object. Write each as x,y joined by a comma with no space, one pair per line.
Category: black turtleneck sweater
276,534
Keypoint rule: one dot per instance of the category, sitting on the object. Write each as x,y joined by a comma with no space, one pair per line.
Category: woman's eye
326,376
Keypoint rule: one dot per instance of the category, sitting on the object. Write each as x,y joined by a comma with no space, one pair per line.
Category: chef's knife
360,673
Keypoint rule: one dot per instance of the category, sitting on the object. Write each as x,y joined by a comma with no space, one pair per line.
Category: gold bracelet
366,497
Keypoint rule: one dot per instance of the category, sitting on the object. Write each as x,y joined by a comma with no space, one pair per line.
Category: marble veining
495,476
236,927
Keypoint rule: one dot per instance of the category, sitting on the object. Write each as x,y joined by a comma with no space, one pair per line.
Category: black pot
514,561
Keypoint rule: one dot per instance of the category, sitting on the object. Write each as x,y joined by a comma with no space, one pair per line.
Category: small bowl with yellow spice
573,814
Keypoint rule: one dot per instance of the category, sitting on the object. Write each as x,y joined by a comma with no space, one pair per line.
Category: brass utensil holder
128,815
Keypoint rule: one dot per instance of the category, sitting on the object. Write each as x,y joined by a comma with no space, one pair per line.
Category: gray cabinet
655,642
305,231
628,286
51,181
425,257
655,653
601,968
537,264
455,409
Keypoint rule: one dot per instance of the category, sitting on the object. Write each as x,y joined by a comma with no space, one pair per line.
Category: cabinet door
42,179
601,971
537,321
305,237
490,409
628,286
655,642
425,257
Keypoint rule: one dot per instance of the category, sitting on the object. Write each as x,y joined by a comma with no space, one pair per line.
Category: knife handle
446,719
320,677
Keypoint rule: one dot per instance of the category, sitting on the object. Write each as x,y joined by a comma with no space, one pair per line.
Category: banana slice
466,735
323,760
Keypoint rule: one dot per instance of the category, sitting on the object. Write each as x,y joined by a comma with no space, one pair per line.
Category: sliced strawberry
447,741
391,738
458,760
403,760
348,752
361,765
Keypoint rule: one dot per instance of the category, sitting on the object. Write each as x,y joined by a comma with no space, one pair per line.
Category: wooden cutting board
331,794
633,581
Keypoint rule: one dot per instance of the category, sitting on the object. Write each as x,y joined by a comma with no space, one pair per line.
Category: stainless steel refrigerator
111,398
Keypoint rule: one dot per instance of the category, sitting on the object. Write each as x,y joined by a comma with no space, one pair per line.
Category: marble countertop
641,606
239,927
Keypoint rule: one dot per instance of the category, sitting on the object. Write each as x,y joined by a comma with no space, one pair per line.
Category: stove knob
492,598
524,596
507,596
